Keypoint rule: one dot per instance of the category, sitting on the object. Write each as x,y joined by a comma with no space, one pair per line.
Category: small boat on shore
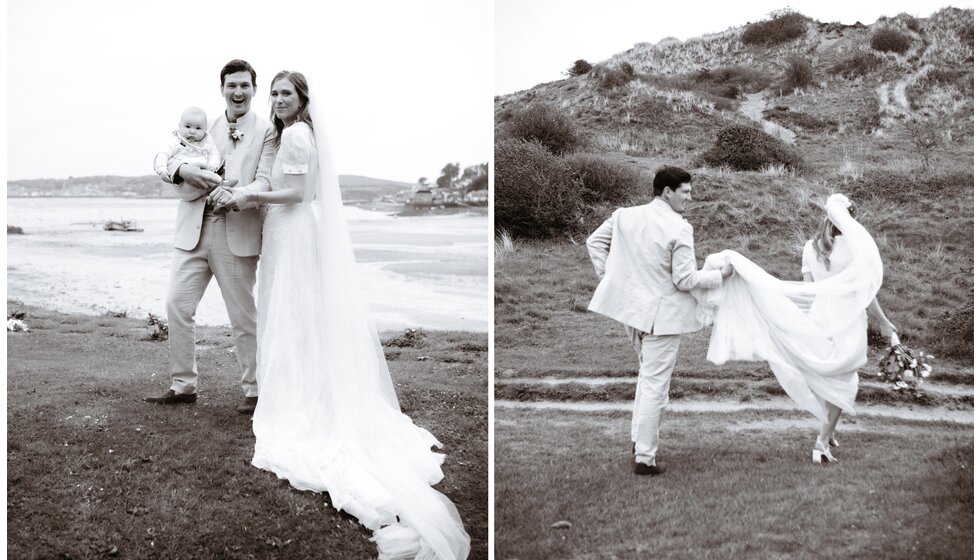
120,225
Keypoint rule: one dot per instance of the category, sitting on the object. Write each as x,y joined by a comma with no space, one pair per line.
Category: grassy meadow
735,487
94,472
890,128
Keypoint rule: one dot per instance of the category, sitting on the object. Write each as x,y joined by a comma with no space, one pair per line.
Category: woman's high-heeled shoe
833,442
822,454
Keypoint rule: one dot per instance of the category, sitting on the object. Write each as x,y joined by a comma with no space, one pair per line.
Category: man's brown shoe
248,405
170,397
644,469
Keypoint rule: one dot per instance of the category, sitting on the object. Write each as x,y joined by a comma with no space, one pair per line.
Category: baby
190,143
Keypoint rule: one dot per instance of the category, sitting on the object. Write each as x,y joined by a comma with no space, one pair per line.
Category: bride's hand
886,328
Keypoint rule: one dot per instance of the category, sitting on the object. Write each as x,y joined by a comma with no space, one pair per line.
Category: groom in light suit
644,257
213,242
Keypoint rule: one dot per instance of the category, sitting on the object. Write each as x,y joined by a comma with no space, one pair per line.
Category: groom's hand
198,178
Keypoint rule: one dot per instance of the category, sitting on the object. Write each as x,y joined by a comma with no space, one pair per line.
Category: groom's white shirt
644,256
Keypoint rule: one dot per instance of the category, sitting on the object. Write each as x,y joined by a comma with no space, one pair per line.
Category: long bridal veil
812,334
355,442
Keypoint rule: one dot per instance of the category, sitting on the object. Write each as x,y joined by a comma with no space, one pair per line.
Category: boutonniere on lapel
234,133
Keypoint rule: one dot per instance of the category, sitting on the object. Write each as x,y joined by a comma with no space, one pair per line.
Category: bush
856,65
579,68
927,136
910,22
610,78
545,124
888,39
903,188
745,148
536,195
726,82
779,28
627,68
965,34
604,180
799,72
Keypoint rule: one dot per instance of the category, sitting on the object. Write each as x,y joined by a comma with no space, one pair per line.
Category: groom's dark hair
237,65
669,176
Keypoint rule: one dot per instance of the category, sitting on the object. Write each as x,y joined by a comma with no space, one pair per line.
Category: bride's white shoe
822,454
833,442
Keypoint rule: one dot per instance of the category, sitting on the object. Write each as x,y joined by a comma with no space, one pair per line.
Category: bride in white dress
823,258
327,418
813,334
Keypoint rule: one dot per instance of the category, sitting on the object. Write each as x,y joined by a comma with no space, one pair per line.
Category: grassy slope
733,489
92,469
925,235
888,501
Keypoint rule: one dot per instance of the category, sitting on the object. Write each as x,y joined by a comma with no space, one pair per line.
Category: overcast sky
536,40
94,87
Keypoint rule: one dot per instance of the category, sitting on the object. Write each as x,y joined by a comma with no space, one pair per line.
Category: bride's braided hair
303,91
823,241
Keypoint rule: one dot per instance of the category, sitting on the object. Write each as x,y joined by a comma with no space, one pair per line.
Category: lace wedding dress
812,334
327,419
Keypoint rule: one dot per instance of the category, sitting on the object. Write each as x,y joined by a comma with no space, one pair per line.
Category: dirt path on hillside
946,389
753,106
863,410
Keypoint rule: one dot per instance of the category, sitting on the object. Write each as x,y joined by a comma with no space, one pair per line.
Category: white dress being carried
812,334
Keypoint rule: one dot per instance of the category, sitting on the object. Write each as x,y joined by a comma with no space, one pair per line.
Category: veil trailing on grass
354,442
812,334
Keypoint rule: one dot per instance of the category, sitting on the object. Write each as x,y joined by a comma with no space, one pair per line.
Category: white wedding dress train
327,418
812,334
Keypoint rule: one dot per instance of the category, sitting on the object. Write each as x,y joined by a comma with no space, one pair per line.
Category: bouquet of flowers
903,367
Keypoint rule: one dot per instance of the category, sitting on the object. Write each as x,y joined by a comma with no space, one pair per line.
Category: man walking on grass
644,257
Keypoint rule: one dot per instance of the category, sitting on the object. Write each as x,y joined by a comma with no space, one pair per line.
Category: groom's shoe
170,397
248,405
644,469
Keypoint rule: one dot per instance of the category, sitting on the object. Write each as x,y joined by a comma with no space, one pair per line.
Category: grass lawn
737,486
93,471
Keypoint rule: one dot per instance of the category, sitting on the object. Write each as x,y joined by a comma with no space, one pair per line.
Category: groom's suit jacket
250,161
644,256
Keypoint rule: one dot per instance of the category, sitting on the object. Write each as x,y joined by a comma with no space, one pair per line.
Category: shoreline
14,304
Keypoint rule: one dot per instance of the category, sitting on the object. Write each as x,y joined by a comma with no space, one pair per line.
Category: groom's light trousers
190,275
658,355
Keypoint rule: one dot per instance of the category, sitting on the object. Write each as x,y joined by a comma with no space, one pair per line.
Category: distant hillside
354,188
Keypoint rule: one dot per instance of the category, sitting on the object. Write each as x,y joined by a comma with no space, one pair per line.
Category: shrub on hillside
610,78
745,148
579,68
605,180
965,34
910,22
545,124
858,64
779,28
799,72
888,39
536,195
902,188
627,68
727,82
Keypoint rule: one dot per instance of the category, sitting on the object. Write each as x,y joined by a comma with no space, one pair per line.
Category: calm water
428,272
